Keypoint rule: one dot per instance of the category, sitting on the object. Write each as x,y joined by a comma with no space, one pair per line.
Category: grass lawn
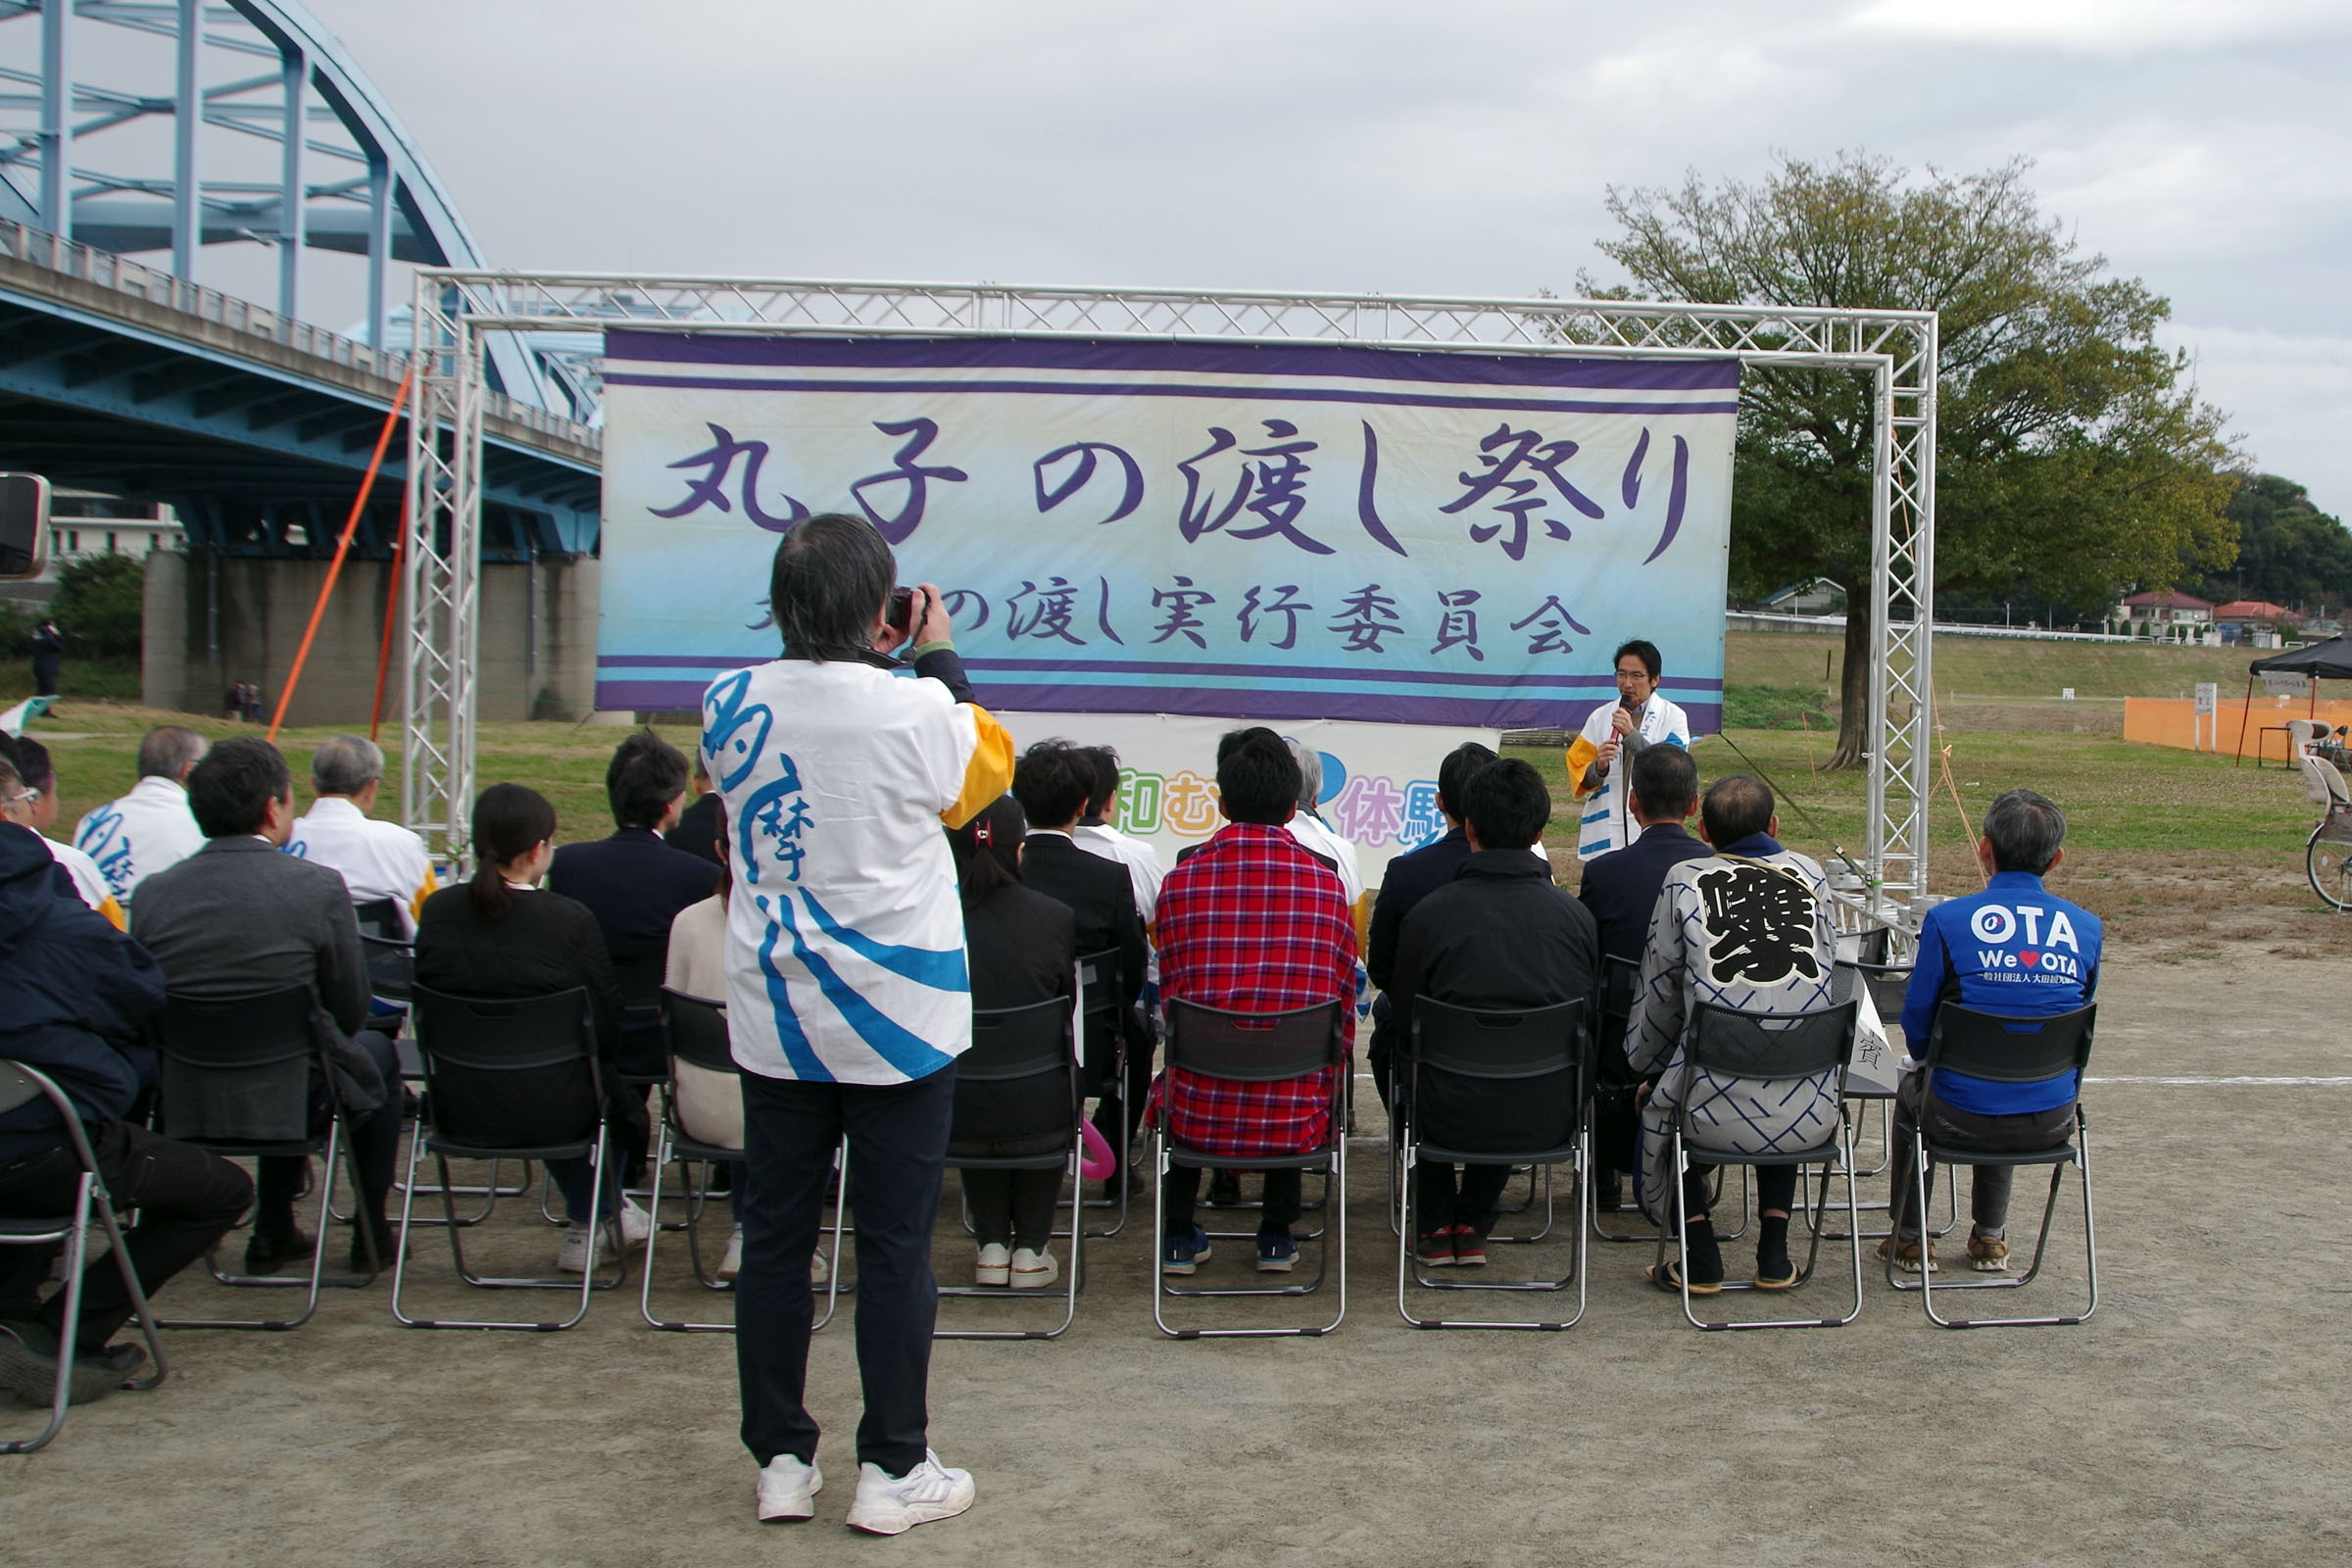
2168,843
1984,666
114,680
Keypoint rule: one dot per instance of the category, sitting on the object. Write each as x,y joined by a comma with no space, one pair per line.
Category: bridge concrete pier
215,619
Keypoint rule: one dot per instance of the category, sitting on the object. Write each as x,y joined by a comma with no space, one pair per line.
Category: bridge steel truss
455,308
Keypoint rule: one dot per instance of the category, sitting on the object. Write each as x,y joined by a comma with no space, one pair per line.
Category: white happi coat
148,830
1604,818
845,959
376,860
1739,932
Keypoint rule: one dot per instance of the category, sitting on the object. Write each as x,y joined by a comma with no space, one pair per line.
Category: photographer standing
48,653
848,994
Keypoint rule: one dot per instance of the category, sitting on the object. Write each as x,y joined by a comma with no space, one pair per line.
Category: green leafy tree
2288,550
2072,456
101,603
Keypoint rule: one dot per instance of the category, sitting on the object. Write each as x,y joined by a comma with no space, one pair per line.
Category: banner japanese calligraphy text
1380,781
1280,533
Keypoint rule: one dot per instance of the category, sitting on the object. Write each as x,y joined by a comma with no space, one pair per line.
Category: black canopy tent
2328,660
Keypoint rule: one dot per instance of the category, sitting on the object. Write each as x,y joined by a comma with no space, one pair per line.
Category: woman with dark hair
500,935
1022,950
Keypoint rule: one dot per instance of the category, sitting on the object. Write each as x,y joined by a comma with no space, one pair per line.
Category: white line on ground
2338,1082
2206,1083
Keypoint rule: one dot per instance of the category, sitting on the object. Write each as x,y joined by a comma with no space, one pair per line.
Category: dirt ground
2197,1418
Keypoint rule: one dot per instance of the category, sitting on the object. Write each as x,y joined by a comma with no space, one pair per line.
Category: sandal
1785,1279
1668,1277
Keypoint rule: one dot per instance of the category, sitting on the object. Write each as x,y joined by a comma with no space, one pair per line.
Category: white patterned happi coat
1748,933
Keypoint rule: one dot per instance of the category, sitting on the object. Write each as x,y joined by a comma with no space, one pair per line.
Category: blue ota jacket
2012,950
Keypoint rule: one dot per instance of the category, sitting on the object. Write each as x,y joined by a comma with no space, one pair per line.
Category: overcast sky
1406,148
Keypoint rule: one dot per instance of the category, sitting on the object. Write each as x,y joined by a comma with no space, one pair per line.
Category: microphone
1627,704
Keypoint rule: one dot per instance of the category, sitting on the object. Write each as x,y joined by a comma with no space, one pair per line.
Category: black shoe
1706,1256
119,1361
28,1368
1224,1190
387,1251
268,1251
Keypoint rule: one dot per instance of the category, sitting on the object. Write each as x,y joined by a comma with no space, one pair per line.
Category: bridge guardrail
121,275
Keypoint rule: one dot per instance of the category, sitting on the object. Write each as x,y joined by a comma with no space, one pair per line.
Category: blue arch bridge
141,143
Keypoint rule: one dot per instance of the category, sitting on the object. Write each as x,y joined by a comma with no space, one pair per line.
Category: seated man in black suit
1412,879
1621,889
697,827
1499,936
635,885
1053,782
238,918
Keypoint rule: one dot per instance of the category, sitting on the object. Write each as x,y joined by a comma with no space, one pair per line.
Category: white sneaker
994,1266
732,1264
928,1492
1033,1270
819,1271
629,1228
577,1255
788,1490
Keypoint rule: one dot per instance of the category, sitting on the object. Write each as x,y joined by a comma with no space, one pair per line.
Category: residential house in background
2168,616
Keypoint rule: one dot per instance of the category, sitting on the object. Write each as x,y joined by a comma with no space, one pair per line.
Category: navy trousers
897,1146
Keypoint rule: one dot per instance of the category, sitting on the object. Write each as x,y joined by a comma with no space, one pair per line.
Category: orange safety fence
2174,721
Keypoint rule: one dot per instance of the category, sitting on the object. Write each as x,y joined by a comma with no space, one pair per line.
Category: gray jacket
237,918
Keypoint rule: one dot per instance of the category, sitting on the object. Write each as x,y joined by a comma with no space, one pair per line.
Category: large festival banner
1286,533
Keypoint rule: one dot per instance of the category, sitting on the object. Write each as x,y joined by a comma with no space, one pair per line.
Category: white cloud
2104,26
2290,394
1378,144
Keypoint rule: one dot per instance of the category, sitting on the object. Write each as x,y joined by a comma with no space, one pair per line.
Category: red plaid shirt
1253,923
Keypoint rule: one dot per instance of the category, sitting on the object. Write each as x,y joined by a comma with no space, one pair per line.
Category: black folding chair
1728,1049
391,958
507,1079
1887,986
1098,977
697,1044
1025,1056
1612,1078
390,953
2011,1051
642,1058
20,1085
236,1077
1470,1072
1255,1048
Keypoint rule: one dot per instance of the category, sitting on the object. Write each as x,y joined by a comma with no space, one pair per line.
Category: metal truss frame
457,306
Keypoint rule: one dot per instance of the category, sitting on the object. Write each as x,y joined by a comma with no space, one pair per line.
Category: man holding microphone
1601,759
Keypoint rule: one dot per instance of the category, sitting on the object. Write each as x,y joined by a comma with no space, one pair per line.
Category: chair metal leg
1120,1154
1070,1313
1841,1157
1655,1236
489,1189
1334,1177
663,1147
586,1287
76,1240
1407,1269
1248,1203
317,1276
841,1226
2049,1210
